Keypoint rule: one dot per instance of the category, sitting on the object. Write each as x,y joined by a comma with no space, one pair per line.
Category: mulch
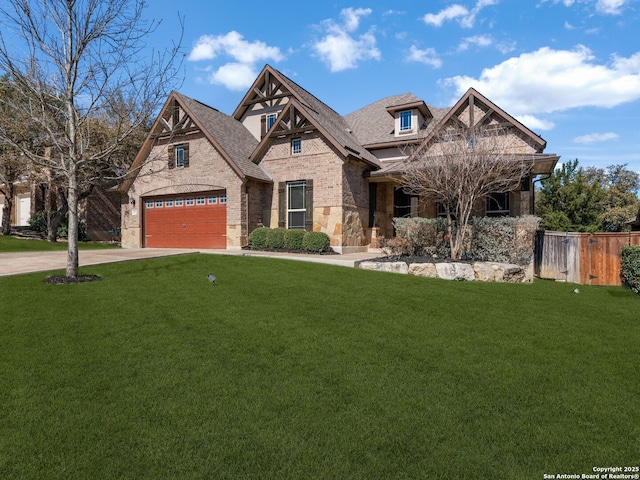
64,280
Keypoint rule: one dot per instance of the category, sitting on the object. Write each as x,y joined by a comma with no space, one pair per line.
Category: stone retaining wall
479,271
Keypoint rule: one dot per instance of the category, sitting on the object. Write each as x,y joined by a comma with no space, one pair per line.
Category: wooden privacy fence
586,258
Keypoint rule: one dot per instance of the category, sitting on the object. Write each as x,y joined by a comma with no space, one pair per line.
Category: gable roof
330,123
228,136
374,126
470,98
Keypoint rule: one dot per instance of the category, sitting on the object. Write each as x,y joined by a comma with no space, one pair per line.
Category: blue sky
568,69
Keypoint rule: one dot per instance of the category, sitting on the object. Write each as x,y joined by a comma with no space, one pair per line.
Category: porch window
497,205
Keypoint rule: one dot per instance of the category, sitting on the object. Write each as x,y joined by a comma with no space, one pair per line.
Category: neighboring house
100,211
203,179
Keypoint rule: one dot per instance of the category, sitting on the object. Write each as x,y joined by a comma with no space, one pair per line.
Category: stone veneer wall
337,204
479,271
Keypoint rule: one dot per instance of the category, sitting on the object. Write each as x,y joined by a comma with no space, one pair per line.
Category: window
200,200
179,202
271,119
296,146
168,203
223,198
190,201
212,200
406,120
497,205
296,205
178,155
149,203
158,203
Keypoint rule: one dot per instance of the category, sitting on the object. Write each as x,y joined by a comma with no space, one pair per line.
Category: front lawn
14,244
288,369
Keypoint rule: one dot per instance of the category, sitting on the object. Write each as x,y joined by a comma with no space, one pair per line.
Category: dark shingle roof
231,135
374,125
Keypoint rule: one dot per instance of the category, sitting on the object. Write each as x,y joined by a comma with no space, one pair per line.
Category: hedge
630,267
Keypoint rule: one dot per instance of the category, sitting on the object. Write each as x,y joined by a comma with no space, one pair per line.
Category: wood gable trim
468,100
294,119
163,128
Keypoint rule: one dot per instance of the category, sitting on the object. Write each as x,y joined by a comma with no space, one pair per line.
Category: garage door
186,221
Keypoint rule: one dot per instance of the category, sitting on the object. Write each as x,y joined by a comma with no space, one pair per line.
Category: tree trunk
72,202
62,207
6,209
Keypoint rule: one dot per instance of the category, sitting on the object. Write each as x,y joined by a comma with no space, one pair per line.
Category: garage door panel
190,225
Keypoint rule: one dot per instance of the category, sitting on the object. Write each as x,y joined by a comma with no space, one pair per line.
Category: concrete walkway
29,262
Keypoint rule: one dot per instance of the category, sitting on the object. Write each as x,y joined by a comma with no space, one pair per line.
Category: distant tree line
578,199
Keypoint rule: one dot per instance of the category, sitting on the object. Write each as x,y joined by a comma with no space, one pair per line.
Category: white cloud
596,137
240,72
339,48
234,76
605,7
233,45
534,123
352,16
547,81
465,17
427,56
477,40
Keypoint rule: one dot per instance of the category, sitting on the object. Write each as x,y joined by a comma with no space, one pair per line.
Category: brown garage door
186,221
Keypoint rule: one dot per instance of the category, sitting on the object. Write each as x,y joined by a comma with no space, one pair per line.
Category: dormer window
406,120
271,119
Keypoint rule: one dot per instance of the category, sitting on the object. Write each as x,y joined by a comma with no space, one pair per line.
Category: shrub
424,236
258,238
396,247
494,239
503,239
316,242
275,238
293,239
38,222
630,267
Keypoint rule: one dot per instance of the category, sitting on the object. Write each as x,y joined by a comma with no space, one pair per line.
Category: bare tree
462,166
77,64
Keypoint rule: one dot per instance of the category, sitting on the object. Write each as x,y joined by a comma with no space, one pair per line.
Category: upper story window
271,119
296,146
178,155
406,120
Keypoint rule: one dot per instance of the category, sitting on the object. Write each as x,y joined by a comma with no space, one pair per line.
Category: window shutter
309,205
263,126
186,155
172,157
282,204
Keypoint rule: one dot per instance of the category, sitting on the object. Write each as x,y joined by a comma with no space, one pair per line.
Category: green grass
296,370
13,244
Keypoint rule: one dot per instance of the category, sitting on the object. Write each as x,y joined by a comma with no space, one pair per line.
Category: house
99,212
204,179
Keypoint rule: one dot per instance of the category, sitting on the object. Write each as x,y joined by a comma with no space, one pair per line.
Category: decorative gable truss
291,121
474,111
174,121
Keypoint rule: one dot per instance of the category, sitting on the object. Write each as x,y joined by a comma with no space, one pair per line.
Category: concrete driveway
29,262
